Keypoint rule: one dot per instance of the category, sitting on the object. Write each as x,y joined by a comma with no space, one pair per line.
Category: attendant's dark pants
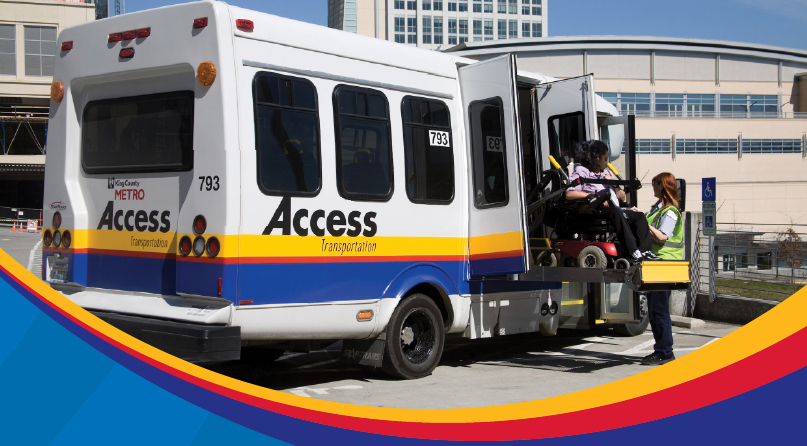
631,229
658,306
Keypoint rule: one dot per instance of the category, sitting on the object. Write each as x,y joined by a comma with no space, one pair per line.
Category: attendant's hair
587,152
669,189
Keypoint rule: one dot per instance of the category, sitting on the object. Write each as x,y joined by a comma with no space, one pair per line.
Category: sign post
709,194
32,226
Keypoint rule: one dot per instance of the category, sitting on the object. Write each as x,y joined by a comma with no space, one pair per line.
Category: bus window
488,146
428,149
150,133
565,131
286,135
363,152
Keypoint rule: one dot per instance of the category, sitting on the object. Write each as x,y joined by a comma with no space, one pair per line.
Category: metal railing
16,216
715,115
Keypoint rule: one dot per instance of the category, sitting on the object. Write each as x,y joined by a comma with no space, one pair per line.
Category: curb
687,322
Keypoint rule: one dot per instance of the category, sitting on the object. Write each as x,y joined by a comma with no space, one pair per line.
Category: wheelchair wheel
621,264
592,257
546,258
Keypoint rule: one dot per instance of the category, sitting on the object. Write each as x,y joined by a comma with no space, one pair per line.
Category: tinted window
286,135
428,149
565,132
488,145
363,152
150,133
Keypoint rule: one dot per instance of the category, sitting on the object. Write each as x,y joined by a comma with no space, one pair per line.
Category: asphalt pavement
20,246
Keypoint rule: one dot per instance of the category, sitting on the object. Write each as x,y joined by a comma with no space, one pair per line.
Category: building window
400,29
512,7
525,29
763,106
427,5
452,40
536,30
477,27
488,27
501,7
40,50
427,30
669,105
502,29
477,7
364,152
287,135
463,28
652,146
525,10
771,146
452,26
411,30
452,6
627,103
400,4
412,5
488,8
400,38
428,151
512,29
438,5
706,146
733,105
611,98
463,7
536,7
463,39
438,30
700,105
8,53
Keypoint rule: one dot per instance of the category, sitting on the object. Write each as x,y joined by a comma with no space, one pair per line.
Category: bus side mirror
682,194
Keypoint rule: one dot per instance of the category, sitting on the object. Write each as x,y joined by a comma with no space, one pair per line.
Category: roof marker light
206,73
115,37
67,46
57,91
143,32
129,35
245,25
200,23
126,53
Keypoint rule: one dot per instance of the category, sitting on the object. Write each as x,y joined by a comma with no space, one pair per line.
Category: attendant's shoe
649,256
656,358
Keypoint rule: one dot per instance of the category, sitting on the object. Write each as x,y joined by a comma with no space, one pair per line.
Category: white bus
230,180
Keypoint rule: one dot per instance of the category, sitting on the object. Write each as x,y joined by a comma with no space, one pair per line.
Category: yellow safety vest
673,247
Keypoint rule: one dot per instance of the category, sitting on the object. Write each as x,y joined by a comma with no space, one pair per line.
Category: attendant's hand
620,194
634,209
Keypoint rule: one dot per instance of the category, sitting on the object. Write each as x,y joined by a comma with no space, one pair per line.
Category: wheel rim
590,261
417,336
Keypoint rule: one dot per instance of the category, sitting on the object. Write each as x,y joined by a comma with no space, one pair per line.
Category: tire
633,329
260,355
622,264
547,258
592,257
415,338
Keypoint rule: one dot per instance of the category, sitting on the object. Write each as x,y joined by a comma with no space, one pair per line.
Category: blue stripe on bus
498,266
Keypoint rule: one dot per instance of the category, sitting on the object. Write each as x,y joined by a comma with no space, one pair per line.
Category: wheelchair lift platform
643,277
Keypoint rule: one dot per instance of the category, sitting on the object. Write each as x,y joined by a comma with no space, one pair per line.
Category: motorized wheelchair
578,234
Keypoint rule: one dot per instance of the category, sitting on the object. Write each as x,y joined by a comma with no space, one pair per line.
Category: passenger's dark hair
587,152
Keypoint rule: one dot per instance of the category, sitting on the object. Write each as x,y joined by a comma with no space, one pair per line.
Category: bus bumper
191,342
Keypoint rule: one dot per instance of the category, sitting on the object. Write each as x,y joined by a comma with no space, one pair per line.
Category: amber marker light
364,315
206,73
57,91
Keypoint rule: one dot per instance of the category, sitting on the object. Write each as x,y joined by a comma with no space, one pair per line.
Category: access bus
233,182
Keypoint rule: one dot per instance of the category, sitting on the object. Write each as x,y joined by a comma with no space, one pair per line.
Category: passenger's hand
634,209
620,194
608,176
606,204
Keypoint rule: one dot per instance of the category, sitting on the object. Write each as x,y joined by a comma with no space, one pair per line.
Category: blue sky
770,22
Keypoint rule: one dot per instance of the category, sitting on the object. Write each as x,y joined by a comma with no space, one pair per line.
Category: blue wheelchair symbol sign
709,189
708,222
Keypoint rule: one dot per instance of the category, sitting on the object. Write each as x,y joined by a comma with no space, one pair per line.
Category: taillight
143,32
126,53
115,37
199,23
185,245
199,225
129,35
47,238
245,25
67,46
213,247
66,239
57,239
57,220
199,246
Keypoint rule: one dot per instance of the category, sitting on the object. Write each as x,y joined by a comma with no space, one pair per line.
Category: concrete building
28,31
439,24
704,108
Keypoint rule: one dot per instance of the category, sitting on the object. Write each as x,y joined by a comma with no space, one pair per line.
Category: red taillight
199,225
200,23
67,46
115,37
245,25
129,35
47,238
57,220
213,247
143,32
185,245
127,53
66,239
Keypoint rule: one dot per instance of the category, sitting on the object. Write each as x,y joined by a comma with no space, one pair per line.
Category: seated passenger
631,226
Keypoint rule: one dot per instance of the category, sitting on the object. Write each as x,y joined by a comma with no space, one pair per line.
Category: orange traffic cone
14,227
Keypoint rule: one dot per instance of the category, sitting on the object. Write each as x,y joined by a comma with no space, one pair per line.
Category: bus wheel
415,338
633,329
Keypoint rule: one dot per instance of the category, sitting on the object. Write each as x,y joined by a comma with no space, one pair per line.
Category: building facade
28,32
704,108
438,24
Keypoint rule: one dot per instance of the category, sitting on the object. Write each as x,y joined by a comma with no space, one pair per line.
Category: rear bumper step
647,276
192,342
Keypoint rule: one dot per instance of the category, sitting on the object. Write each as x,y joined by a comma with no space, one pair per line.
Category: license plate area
58,267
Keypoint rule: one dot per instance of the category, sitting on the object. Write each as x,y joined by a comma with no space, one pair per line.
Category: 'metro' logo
111,183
